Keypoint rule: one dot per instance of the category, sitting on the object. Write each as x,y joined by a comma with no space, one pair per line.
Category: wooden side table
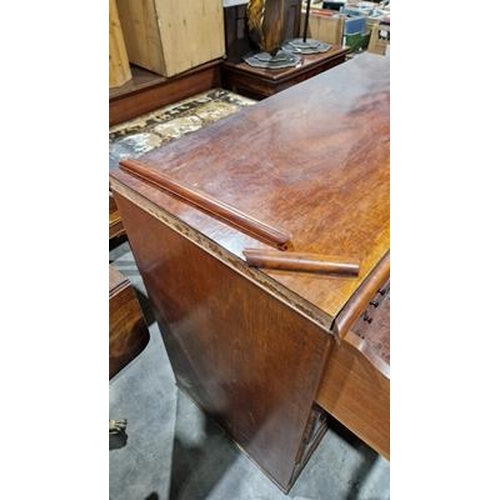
259,83
128,333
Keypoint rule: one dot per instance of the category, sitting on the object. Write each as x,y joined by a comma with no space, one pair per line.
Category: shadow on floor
368,458
201,453
117,441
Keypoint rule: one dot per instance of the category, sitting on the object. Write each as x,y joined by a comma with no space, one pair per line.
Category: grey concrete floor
174,451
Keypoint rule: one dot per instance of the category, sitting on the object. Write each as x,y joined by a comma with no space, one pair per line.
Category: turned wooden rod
298,261
228,214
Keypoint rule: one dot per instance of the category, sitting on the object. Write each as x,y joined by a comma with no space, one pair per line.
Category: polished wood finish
356,382
362,296
297,261
357,393
170,37
259,384
145,97
128,333
371,333
258,83
119,69
314,161
206,203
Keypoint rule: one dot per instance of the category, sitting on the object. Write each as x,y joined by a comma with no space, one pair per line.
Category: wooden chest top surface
283,74
312,160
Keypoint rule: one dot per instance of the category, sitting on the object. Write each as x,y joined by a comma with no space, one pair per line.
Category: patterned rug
136,137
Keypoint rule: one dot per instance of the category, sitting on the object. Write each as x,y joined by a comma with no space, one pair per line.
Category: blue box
353,25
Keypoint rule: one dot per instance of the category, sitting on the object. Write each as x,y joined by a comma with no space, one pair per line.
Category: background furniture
174,50
169,37
128,333
259,83
119,69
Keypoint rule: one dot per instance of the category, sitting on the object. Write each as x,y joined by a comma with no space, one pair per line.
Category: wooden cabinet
169,37
267,352
259,83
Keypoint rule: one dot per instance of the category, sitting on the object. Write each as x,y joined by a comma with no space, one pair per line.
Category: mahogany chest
269,352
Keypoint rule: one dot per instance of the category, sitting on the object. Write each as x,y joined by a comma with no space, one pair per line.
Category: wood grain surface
282,74
119,69
255,347
312,160
357,393
170,37
300,262
116,228
260,83
362,296
208,204
247,359
144,94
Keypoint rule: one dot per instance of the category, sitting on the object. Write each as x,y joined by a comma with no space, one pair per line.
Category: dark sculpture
266,24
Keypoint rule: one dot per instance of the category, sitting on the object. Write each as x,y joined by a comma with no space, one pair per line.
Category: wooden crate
119,69
379,39
169,37
324,27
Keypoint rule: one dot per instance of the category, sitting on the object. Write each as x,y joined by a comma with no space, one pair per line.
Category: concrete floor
173,450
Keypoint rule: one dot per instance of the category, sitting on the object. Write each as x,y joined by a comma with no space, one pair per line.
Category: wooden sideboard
268,353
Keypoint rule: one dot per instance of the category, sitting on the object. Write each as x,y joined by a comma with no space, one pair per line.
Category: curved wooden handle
297,261
210,205
360,299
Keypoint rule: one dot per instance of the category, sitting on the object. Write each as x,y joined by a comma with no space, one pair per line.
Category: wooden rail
208,204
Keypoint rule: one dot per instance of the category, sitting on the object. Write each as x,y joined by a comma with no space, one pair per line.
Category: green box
357,42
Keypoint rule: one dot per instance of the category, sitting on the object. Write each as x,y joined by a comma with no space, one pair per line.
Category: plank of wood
119,69
192,33
142,34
